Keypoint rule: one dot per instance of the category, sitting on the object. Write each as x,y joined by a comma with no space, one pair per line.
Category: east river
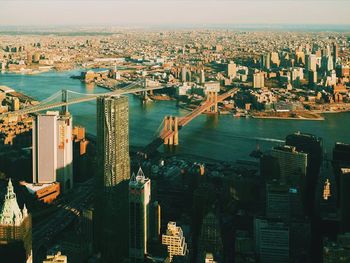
218,137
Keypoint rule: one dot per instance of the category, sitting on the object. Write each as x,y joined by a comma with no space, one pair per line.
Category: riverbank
295,115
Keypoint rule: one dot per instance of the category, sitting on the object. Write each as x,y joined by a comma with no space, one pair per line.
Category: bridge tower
64,99
212,96
144,93
171,127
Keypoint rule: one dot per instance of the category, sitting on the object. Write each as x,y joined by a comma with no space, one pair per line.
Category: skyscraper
53,149
258,80
175,241
312,63
45,148
277,201
202,77
292,164
271,240
184,74
113,139
65,152
231,70
113,175
210,238
15,230
265,61
139,215
312,146
335,53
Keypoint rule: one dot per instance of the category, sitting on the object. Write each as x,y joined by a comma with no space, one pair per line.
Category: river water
219,137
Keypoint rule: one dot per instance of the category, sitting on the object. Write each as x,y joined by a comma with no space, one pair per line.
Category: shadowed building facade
112,178
139,216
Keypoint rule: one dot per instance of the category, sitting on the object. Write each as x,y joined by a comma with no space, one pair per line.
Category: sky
173,12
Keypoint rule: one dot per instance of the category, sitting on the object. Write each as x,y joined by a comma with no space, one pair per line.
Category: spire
140,177
10,193
140,173
10,213
9,183
25,211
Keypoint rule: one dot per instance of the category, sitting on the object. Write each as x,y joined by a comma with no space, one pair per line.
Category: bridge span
170,132
64,98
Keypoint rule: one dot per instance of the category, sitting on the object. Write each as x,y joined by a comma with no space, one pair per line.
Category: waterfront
218,137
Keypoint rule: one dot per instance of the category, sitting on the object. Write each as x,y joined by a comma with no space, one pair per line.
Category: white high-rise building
259,80
184,74
202,77
45,148
312,63
231,70
139,200
53,149
175,241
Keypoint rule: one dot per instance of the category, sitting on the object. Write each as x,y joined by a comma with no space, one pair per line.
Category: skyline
173,13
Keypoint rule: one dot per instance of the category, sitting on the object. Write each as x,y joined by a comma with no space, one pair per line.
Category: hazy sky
173,12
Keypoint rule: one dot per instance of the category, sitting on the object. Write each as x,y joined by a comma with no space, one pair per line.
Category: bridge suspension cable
58,99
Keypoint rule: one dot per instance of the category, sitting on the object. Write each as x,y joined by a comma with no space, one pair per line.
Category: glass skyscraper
112,178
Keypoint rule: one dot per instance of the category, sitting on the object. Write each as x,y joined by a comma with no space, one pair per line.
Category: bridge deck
82,98
187,119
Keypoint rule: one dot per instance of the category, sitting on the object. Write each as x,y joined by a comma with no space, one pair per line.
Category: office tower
283,201
231,70
258,80
344,197
269,167
112,177
335,53
330,65
202,77
277,201
312,63
113,139
300,57
175,241
64,152
15,230
296,75
271,240
341,153
312,78
275,60
155,221
300,240
313,147
53,149
292,164
184,74
139,220
210,238
327,63
265,61
87,234
45,148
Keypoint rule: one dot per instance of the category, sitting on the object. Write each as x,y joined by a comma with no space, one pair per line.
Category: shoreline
287,118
